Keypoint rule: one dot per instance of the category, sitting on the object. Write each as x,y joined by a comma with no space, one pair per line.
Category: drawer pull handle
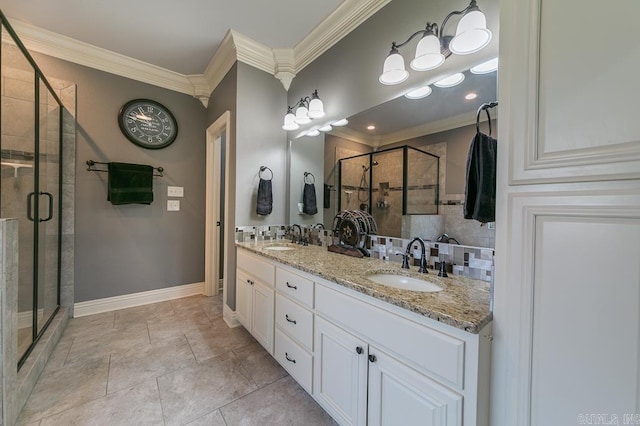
286,355
291,286
372,358
290,320
359,350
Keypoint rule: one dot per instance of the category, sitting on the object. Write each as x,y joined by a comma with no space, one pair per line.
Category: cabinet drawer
295,320
295,286
255,266
294,359
425,349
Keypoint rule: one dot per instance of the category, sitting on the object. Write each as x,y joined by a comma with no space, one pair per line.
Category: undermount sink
279,248
404,283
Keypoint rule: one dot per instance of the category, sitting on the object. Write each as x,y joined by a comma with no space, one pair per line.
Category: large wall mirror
442,124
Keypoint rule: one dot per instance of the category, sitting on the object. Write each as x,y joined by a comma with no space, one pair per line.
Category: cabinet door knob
372,358
359,350
286,355
288,319
291,286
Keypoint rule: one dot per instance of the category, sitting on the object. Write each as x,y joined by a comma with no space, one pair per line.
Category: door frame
214,133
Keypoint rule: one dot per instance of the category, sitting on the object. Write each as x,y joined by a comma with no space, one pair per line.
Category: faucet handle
443,269
405,260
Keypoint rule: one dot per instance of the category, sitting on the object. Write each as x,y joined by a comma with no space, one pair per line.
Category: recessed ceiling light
419,93
470,96
452,80
371,127
313,132
342,122
326,128
486,67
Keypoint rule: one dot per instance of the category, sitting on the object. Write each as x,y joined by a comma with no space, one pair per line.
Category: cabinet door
244,299
340,373
399,395
262,315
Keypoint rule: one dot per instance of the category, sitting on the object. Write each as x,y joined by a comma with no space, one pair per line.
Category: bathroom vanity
368,353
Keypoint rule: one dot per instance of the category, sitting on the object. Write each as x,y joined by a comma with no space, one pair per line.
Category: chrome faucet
423,257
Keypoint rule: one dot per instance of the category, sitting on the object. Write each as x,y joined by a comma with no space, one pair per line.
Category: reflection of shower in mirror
348,195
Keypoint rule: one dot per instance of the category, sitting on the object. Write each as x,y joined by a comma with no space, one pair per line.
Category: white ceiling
178,36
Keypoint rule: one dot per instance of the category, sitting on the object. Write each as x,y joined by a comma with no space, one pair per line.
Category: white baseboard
25,319
230,317
108,304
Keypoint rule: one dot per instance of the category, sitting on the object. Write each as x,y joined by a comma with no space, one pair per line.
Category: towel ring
309,180
265,168
485,107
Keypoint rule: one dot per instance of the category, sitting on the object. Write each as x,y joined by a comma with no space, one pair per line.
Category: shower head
375,163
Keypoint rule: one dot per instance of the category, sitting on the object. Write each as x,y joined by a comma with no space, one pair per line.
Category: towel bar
91,164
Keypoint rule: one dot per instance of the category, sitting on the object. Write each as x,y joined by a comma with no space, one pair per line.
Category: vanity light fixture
341,122
306,109
313,132
486,67
326,128
419,93
434,47
452,80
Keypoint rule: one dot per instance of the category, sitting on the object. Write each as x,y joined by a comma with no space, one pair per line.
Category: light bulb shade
290,122
314,132
316,109
341,122
452,80
485,67
419,93
393,71
428,55
302,115
471,34
326,128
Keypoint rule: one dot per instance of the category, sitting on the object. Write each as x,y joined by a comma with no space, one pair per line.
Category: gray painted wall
306,155
133,248
260,140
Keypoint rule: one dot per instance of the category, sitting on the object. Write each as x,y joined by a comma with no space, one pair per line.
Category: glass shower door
48,202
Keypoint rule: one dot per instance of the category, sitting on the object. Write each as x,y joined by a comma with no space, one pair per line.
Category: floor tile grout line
247,394
106,391
164,419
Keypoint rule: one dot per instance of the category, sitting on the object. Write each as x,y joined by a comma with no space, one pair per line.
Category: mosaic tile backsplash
468,261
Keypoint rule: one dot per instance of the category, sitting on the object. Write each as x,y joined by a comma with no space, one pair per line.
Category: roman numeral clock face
148,124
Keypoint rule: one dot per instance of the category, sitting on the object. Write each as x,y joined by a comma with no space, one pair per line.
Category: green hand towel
130,184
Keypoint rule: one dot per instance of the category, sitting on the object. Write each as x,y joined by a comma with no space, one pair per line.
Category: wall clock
148,123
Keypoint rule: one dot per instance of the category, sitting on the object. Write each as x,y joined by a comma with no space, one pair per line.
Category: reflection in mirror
404,181
441,124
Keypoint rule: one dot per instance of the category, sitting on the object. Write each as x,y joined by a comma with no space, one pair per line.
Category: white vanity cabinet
368,362
255,297
294,325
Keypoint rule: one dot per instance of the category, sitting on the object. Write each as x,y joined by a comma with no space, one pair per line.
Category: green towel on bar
130,184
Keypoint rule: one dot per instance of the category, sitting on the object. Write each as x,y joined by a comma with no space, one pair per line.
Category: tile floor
170,363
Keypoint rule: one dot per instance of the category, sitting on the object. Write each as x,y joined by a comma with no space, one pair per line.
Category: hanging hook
308,180
263,169
485,107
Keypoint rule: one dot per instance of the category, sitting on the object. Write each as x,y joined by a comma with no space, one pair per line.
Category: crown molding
347,17
284,64
68,49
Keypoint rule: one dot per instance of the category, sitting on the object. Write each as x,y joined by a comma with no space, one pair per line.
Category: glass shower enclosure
389,184
30,185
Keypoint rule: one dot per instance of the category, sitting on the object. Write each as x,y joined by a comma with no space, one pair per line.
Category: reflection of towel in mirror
309,205
265,198
480,194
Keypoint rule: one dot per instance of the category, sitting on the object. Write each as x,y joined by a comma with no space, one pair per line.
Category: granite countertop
463,303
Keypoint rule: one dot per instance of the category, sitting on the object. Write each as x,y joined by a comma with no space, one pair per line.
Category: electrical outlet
173,205
175,191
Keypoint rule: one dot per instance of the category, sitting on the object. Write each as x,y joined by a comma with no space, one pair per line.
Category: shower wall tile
16,112
19,89
9,314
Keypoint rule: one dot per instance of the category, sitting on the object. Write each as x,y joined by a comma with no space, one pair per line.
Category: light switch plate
173,205
175,191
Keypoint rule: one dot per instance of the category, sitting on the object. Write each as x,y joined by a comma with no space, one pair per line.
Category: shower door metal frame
40,77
